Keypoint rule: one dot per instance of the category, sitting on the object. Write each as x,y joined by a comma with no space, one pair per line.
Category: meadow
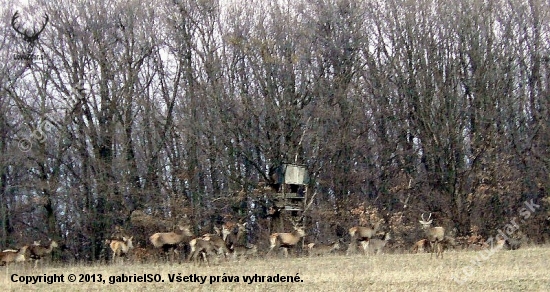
520,270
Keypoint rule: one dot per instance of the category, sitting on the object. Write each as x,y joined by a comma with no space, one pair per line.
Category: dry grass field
520,270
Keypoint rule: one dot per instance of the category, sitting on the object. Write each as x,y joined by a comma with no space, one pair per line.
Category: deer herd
35,252
231,243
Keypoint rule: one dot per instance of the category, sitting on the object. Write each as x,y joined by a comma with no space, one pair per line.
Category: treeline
179,109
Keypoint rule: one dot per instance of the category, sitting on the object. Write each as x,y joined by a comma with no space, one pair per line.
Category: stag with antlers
435,235
27,36
30,37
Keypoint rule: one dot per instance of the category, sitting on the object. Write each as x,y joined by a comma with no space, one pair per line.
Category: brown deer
434,235
144,255
169,241
121,247
375,245
362,234
420,246
10,256
37,252
322,249
286,240
234,234
218,243
208,244
202,247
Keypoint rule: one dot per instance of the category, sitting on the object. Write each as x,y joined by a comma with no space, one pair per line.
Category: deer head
30,37
426,223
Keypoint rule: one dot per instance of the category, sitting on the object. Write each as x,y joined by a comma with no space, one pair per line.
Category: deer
10,256
202,247
143,255
169,241
121,247
322,249
434,235
233,234
420,246
363,235
37,252
375,245
209,243
27,36
286,240
30,38
219,244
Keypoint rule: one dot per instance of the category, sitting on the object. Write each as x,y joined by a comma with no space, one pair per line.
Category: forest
138,115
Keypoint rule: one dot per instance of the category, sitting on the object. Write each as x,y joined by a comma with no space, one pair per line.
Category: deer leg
271,247
205,258
195,254
352,247
365,246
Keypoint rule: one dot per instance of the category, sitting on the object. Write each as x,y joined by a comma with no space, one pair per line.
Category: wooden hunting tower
290,183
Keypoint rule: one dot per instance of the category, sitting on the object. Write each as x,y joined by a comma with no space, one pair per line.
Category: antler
44,25
406,201
426,221
26,36
13,19
297,222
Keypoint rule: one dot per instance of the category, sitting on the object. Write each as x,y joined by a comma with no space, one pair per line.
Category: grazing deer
286,240
434,235
10,256
169,241
420,246
362,234
37,252
121,247
322,249
375,245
